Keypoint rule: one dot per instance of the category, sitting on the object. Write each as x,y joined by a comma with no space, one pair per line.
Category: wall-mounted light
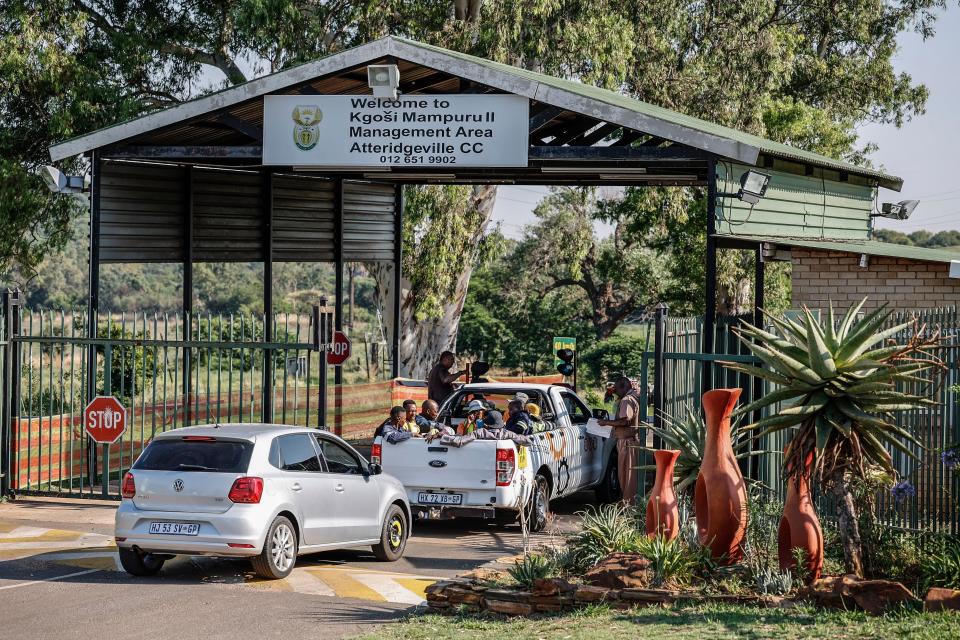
753,186
59,182
864,261
898,211
384,79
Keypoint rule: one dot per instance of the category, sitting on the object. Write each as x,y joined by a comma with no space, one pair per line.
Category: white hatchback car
267,492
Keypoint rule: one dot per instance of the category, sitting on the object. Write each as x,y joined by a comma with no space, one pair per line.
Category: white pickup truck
495,479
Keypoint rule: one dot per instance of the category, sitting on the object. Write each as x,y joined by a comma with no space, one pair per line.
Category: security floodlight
898,211
753,186
59,182
384,79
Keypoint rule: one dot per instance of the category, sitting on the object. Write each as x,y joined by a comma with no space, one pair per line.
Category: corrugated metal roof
769,147
575,96
869,247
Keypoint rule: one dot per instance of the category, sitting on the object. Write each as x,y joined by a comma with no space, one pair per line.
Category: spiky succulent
687,434
841,383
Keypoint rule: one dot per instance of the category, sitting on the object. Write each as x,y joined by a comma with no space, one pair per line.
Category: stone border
556,595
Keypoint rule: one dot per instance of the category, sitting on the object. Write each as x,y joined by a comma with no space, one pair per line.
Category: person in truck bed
474,419
537,424
427,418
395,429
493,429
519,420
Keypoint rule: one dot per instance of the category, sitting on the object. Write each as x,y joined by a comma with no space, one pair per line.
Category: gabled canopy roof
605,106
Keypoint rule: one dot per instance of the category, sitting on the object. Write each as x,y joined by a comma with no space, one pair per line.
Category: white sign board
411,131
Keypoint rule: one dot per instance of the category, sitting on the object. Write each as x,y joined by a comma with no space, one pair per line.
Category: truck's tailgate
417,463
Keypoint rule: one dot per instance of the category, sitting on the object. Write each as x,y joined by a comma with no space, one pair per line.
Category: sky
921,152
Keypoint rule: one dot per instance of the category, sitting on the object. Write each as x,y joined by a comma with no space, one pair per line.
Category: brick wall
822,276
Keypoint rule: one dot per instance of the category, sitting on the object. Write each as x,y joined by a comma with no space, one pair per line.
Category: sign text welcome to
416,130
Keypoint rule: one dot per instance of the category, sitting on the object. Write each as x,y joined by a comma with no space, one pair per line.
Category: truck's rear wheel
608,491
539,505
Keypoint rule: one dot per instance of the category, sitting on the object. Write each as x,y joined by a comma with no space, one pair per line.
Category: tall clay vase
720,497
663,517
800,527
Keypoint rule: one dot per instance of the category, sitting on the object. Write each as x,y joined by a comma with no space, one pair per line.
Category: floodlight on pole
384,79
59,182
753,186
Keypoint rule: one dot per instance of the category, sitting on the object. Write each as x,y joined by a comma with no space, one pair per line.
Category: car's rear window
225,456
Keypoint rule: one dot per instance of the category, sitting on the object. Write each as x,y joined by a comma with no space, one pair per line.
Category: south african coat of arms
306,133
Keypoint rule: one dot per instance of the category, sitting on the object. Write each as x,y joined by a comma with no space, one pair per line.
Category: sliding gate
168,371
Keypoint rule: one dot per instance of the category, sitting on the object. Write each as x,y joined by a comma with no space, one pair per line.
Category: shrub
773,582
671,561
940,566
611,528
531,567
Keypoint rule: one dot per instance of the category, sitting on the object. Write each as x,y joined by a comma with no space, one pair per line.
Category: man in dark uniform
440,380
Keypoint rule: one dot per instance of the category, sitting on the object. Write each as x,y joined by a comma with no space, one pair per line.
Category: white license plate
175,528
440,498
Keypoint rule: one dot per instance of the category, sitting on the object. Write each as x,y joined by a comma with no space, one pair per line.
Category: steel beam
710,297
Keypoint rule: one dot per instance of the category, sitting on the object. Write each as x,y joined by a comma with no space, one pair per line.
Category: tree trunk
847,523
422,341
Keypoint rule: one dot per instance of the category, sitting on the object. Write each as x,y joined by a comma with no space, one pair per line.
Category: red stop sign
105,419
339,349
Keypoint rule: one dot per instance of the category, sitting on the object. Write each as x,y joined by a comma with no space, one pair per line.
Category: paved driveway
59,577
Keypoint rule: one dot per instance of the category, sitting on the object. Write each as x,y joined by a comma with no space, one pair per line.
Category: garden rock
591,594
940,599
620,571
508,608
551,586
873,596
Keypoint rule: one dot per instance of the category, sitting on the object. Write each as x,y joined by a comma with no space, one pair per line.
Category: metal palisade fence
934,506
168,370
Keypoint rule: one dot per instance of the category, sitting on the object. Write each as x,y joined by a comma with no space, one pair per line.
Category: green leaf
820,357
848,319
778,395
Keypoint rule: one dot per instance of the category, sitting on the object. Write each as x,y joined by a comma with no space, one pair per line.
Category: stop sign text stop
339,349
105,419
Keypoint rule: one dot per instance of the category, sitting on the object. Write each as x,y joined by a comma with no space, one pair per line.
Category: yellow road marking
346,587
416,585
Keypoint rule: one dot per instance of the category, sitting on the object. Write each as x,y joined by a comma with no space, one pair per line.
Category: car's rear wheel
279,551
608,491
393,536
539,505
140,564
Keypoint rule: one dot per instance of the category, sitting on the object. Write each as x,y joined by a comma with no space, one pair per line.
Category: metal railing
168,370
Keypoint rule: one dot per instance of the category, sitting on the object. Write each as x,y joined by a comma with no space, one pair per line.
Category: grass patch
716,622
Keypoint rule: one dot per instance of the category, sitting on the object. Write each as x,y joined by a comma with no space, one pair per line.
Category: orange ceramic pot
663,517
720,497
800,527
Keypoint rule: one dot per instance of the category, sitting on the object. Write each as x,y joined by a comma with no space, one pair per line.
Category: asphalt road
59,578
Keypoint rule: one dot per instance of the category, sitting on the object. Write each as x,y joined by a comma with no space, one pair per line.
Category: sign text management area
411,131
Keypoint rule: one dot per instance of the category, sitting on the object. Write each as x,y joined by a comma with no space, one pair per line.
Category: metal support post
93,305
187,304
338,303
324,333
659,344
757,391
268,396
710,298
11,385
397,274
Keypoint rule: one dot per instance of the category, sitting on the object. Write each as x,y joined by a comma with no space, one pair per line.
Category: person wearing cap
474,419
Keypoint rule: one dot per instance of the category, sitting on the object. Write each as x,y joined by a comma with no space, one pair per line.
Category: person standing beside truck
440,380
626,430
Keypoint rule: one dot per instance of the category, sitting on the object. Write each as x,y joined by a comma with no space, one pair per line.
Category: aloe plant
687,434
841,382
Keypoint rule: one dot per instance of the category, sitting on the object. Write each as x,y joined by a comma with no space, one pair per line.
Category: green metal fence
168,370
935,507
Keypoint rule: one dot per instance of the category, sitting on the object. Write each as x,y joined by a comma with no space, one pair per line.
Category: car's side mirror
601,414
375,469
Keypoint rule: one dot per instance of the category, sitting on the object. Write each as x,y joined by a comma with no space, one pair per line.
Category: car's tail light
246,490
506,465
120,539
375,451
129,488
199,439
